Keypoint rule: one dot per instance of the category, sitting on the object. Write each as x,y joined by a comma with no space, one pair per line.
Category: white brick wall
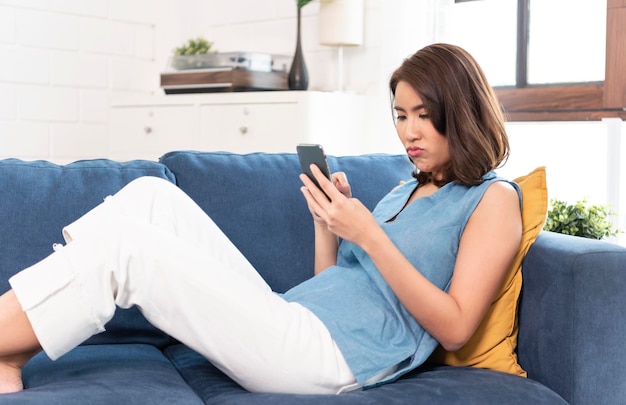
107,37
94,106
75,69
79,139
7,25
94,8
47,30
63,61
50,104
24,65
145,11
26,140
8,102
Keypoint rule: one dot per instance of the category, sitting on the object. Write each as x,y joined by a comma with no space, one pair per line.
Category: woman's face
427,148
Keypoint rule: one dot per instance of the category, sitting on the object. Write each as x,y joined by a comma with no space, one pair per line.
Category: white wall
65,60
583,161
62,62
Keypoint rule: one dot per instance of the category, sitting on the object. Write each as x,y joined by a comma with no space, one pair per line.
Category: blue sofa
572,318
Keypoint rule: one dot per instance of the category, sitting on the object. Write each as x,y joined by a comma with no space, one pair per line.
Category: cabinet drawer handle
147,130
243,130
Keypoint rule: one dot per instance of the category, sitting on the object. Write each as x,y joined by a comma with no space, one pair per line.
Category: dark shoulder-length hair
462,106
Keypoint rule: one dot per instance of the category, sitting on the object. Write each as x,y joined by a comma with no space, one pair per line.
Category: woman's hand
343,215
339,180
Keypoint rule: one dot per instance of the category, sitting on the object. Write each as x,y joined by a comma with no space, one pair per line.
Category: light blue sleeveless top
377,336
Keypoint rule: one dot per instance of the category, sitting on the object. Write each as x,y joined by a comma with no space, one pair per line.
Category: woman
418,271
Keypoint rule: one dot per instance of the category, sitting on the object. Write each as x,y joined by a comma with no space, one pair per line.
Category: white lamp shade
341,22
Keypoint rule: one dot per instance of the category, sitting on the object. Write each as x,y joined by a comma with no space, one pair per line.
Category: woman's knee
144,189
147,185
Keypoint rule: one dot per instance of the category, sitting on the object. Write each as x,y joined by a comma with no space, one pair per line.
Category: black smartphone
313,154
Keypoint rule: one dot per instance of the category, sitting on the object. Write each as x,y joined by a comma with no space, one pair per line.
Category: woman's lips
414,152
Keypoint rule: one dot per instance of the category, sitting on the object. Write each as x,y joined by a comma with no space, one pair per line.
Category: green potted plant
196,53
580,219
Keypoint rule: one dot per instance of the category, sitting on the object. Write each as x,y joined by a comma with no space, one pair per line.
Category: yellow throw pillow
493,344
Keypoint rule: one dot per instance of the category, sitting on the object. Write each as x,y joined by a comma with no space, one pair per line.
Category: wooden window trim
578,102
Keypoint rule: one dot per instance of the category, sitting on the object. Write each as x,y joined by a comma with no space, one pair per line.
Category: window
566,41
488,30
551,64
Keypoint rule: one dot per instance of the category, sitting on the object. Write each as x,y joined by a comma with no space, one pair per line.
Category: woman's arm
326,246
487,247
326,242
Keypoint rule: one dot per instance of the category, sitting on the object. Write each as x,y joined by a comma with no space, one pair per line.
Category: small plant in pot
196,53
580,219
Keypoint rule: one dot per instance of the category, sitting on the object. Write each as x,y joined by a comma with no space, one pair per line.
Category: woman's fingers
340,180
326,185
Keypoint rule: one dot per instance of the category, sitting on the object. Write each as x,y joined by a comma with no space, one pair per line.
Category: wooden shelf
223,79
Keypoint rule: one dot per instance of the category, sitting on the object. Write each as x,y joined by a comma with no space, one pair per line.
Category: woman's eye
400,118
424,116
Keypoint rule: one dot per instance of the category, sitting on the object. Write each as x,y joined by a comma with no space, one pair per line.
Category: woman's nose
412,131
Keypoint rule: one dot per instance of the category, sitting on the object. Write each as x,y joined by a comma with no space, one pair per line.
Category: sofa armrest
573,318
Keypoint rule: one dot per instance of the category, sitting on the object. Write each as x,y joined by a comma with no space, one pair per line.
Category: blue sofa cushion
104,375
426,385
271,225
44,197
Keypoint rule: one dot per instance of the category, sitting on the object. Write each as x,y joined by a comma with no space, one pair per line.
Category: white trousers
151,246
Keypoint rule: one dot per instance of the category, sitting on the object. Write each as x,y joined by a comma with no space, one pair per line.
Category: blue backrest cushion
40,197
256,200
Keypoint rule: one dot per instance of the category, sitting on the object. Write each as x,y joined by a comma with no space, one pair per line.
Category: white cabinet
237,122
146,132
247,128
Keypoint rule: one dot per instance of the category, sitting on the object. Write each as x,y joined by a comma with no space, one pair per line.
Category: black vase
298,74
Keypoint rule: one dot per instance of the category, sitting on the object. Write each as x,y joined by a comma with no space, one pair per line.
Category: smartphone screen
313,154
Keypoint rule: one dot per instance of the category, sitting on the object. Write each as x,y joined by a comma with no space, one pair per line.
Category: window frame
570,102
